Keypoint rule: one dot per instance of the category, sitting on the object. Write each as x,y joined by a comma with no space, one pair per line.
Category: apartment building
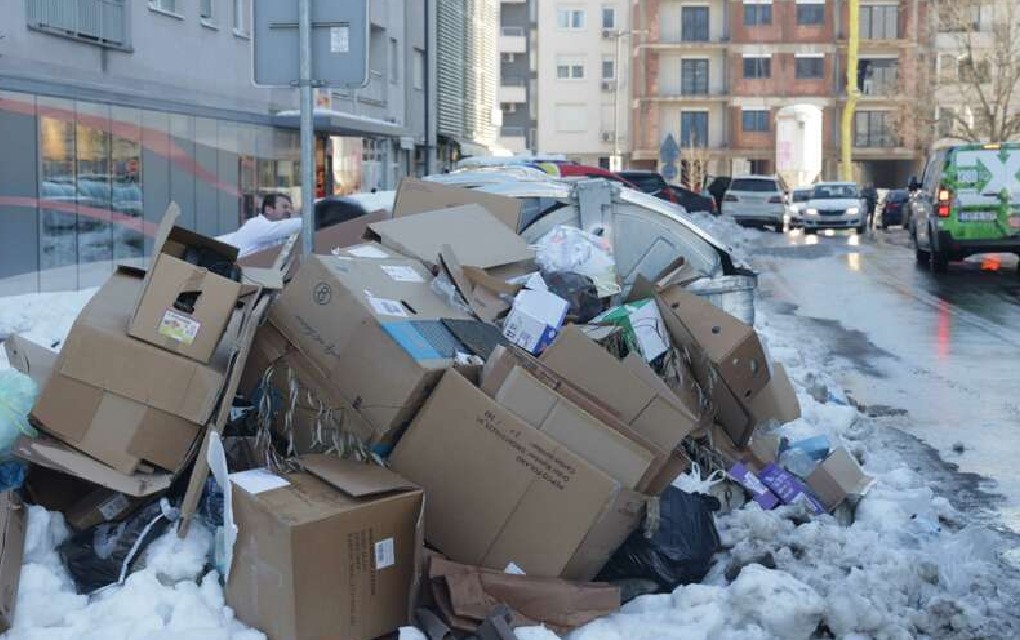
518,82
713,74
110,109
583,80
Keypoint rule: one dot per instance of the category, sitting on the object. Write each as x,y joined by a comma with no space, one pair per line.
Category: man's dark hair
332,211
271,200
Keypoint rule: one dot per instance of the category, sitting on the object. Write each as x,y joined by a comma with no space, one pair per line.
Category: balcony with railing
513,91
513,40
99,22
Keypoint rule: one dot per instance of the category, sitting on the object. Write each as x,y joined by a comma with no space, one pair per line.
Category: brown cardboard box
837,478
334,553
416,196
374,328
194,334
541,407
12,551
123,401
777,401
498,491
98,506
476,236
657,414
324,241
31,359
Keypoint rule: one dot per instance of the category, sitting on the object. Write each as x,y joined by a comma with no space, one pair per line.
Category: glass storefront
84,185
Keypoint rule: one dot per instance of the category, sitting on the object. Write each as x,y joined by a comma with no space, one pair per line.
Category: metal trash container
732,294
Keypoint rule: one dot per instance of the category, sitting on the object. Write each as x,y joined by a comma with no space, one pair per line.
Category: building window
418,63
569,69
755,121
608,69
508,107
880,22
946,122
760,168
873,129
878,76
810,67
394,61
169,6
959,17
757,67
241,17
757,14
694,77
971,73
694,24
570,18
810,14
609,17
206,11
694,129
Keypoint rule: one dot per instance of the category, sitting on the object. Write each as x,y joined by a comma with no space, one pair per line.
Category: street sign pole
307,125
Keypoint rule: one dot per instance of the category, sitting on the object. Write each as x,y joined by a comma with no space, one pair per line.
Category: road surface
938,357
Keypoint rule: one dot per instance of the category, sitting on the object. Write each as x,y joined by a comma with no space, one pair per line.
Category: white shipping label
256,481
114,506
402,273
367,251
387,307
384,556
179,327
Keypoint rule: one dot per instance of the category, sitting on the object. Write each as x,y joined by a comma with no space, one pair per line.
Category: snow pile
43,318
165,600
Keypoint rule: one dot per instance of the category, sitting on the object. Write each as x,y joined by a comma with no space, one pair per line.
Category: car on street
693,201
894,208
967,202
652,183
835,205
755,201
798,198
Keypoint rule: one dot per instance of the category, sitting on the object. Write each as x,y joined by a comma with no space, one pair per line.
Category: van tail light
730,198
776,200
945,201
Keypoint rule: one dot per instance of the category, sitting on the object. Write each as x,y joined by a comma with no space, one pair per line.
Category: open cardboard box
416,196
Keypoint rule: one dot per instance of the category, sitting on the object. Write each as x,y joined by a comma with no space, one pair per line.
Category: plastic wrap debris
443,287
17,395
679,552
105,554
570,249
578,290
643,328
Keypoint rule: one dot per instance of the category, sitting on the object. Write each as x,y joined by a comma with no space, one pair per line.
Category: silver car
755,201
835,205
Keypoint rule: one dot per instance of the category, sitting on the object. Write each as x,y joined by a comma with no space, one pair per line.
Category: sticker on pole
179,327
339,39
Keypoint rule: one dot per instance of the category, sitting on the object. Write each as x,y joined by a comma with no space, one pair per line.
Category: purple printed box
789,488
743,475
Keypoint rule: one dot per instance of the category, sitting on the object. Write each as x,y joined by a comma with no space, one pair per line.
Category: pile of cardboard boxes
519,453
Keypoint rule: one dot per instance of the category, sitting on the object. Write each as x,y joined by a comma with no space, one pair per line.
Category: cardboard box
123,401
541,407
476,236
374,328
333,551
777,401
655,414
194,328
417,196
99,506
643,328
33,360
535,320
499,491
13,522
788,488
325,240
837,478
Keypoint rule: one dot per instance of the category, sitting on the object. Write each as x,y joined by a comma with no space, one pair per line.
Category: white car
755,201
798,200
835,205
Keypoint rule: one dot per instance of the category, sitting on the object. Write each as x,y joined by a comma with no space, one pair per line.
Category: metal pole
616,164
307,126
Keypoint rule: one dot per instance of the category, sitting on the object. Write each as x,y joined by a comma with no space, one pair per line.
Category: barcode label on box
179,327
113,506
387,307
402,273
384,554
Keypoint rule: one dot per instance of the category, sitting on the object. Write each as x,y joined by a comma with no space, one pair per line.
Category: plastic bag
17,395
443,287
580,291
104,555
679,552
569,249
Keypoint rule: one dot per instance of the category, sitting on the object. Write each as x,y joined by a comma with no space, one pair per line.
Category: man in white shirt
272,227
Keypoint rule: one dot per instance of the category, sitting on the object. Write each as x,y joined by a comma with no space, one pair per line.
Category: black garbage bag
106,553
679,552
579,291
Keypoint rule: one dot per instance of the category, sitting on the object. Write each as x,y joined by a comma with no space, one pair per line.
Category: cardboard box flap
479,239
266,278
162,233
31,359
190,238
416,196
356,479
13,523
59,457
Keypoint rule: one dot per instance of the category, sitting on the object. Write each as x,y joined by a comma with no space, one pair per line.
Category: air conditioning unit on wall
608,85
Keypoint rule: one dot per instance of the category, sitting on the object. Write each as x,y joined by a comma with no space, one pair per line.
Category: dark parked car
693,201
894,211
651,182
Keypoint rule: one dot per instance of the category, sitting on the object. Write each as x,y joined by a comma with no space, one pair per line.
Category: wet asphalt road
935,356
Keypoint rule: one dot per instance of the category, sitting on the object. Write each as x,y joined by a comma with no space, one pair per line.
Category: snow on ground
908,567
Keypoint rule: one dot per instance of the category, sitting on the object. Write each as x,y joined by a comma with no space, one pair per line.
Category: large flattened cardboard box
185,308
416,196
655,413
123,401
13,522
332,551
499,492
727,358
374,327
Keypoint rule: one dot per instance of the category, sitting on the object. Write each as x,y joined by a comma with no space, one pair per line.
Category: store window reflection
95,195
58,196
126,192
